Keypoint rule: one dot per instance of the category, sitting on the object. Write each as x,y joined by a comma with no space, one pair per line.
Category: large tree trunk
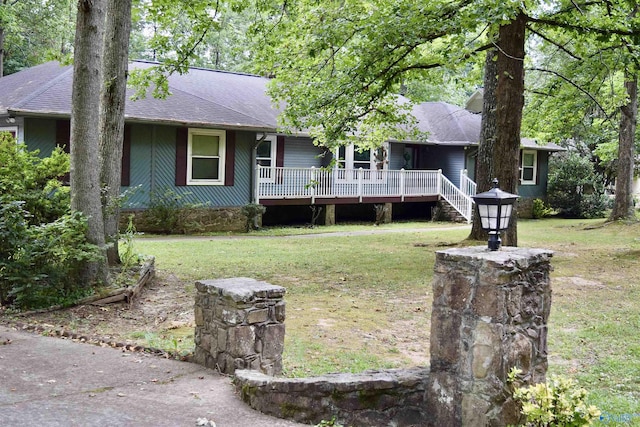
623,207
85,98
113,97
484,170
502,160
510,102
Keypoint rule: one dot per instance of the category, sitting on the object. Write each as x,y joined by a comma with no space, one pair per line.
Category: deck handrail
460,201
467,185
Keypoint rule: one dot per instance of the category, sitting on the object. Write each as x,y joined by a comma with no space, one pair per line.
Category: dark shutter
181,157
63,139
538,161
229,161
280,151
125,175
279,157
63,135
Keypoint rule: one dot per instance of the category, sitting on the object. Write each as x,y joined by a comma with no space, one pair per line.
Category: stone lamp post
490,313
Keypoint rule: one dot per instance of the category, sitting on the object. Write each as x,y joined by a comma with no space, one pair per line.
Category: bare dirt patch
164,304
164,311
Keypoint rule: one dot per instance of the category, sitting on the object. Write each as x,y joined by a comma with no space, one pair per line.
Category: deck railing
467,186
314,183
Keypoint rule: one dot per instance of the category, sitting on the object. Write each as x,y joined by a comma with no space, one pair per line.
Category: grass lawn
357,302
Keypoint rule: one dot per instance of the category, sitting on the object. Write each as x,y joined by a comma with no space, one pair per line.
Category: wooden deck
297,186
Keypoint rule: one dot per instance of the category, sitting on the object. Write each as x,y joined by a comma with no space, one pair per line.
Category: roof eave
147,120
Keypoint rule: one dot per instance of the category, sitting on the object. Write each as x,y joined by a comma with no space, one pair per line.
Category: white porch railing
463,203
314,183
467,186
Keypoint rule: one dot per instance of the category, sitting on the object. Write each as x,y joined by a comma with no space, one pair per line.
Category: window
348,157
362,159
13,130
205,157
266,156
529,167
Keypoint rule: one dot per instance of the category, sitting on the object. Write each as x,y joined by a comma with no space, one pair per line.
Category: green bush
169,213
575,190
26,177
253,212
558,402
43,247
540,209
40,265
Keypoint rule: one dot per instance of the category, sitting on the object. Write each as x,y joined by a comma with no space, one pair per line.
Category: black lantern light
495,207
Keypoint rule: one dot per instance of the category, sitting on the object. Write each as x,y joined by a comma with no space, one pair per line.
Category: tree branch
586,29
572,83
558,45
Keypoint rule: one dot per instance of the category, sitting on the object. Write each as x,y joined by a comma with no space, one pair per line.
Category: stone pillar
384,213
239,325
490,312
329,217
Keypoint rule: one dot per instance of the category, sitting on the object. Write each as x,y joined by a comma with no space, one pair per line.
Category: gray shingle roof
199,98
448,124
214,99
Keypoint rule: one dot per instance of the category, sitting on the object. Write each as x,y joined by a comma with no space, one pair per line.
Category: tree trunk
509,102
85,99
112,105
500,138
484,170
623,207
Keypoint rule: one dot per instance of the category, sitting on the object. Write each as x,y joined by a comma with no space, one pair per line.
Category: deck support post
329,215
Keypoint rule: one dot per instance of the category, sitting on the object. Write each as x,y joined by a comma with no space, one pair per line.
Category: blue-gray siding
526,191
449,159
300,152
153,168
153,160
540,189
40,134
396,156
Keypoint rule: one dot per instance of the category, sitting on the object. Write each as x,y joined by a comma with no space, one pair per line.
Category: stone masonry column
490,312
329,215
239,325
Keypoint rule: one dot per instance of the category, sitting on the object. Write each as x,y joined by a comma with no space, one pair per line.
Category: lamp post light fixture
495,207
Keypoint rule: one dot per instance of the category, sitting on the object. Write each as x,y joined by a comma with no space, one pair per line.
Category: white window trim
269,176
350,159
13,129
535,168
221,154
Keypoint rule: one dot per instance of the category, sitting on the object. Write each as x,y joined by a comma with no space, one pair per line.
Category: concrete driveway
48,381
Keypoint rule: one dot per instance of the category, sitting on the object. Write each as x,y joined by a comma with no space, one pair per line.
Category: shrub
169,213
558,402
41,265
33,180
253,212
574,188
42,244
540,209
